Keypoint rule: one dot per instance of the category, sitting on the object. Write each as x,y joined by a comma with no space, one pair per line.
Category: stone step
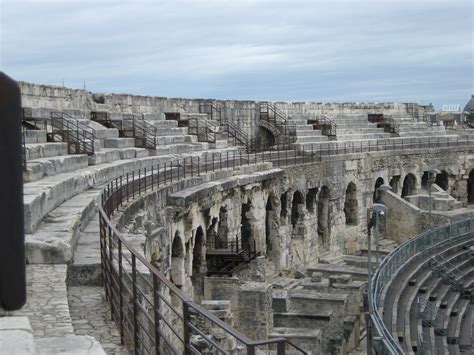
168,140
164,123
119,142
308,339
55,238
45,150
172,131
35,136
312,132
308,301
319,319
16,336
39,168
108,155
317,138
181,148
327,270
360,130
69,345
359,136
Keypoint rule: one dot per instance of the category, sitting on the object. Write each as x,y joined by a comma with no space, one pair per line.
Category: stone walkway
47,303
90,315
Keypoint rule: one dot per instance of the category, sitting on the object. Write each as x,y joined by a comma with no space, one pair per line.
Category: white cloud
302,49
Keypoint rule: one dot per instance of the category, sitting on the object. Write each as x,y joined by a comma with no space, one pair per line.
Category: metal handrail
422,244
113,260
79,140
119,259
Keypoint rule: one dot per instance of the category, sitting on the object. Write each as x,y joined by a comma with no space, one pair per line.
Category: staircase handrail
80,140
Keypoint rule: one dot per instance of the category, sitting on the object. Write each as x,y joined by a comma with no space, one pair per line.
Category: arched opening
351,210
425,180
199,260
223,225
323,218
409,185
268,240
245,228
379,182
394,182
213,240
311,199
470,187
177,260
442,180
284,208
266,137
298,200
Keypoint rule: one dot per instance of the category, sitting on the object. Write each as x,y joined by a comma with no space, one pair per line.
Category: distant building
470,105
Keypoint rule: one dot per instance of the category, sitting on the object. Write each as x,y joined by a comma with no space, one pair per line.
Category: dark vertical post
135,304
12,250
186,330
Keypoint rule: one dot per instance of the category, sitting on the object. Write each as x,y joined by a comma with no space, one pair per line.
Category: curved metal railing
422,244
154,315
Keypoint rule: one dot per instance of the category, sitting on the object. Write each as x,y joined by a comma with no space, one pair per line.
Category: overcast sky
293,50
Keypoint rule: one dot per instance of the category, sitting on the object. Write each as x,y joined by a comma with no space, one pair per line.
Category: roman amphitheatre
158,225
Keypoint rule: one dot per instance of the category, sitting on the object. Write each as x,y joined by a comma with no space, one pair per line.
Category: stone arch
177,260
245,227
409,185
470,187
323,218
442,180
265,135
379,182
199,263
296,203
351,210
311,199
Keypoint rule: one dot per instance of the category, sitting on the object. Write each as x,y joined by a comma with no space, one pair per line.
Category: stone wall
243,113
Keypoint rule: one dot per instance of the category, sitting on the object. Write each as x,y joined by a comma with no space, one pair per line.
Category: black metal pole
12,250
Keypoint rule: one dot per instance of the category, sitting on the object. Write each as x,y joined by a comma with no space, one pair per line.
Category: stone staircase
352,127
318,313
440,200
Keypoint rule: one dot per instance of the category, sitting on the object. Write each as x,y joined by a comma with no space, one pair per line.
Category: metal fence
421,245
153,315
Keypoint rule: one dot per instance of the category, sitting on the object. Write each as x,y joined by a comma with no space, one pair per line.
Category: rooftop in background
470,104
451,108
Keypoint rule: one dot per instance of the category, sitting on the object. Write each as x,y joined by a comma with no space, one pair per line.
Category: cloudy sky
293,50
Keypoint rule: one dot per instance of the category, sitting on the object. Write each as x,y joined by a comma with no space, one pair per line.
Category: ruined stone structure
271,242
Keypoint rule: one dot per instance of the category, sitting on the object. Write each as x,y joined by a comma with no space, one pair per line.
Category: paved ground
47,304
90,315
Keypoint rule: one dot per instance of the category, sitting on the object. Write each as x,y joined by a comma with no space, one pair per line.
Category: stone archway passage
351,210
268,221
470,188
199,261
323,218
284,207
379,182
311,199
442,180
177,260
223,225
296,202
409,185
394,182
245,228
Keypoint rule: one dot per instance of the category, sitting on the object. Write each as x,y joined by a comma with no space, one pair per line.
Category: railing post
250,349
199,160
158,175
186,330
156,311
164,174
171,170
145,179
135,305
120,290
281,348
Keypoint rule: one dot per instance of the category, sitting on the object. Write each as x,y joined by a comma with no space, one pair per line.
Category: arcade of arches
293,217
